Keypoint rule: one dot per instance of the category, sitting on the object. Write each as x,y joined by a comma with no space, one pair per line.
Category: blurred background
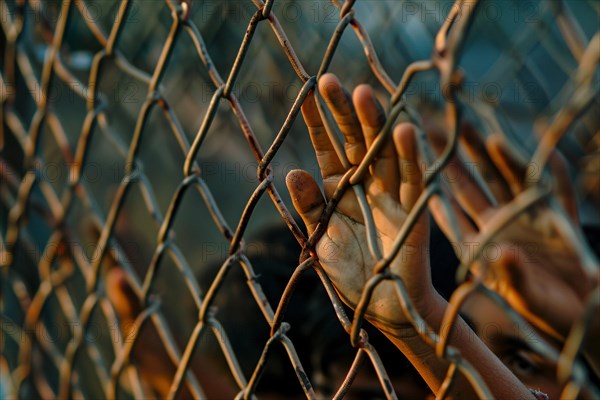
516,61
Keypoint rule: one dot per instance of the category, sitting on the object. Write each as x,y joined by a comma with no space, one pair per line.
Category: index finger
340,103
475,147
329,163
467,191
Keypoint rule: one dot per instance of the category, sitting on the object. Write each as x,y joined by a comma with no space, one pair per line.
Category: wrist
431,314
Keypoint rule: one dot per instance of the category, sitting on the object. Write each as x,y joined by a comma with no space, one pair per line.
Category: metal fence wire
46,278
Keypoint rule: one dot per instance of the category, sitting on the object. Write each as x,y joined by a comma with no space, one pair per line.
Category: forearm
501,381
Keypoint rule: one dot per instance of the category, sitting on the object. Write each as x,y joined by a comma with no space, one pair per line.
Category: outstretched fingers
327,158
411,186
512,169
329,163
344,114
412,178
515,172
467,191
384,169
475,147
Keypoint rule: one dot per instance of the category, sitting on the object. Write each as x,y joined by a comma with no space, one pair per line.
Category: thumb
306,196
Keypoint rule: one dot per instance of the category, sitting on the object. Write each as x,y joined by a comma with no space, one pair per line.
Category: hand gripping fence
24,340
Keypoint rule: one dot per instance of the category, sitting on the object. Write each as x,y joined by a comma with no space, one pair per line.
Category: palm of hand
344,254
530,262
538,273
343,249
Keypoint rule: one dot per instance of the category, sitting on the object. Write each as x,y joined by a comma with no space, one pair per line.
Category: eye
521,363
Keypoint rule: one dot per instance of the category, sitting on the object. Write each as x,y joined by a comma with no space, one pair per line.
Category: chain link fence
86,187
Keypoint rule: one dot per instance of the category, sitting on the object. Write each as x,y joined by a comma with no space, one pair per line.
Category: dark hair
318,337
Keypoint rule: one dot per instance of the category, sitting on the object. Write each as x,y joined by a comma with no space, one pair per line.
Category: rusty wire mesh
54,249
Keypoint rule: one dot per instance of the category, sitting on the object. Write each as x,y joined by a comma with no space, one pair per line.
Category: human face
512,345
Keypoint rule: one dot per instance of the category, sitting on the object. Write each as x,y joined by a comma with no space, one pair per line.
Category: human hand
343,249
392,186
530,263
149,354
155,367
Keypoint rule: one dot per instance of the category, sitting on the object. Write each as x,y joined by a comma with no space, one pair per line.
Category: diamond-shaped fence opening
153,139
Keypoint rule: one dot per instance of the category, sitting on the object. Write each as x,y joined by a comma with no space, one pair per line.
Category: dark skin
512,345
155,366
532,257
343,250
523,281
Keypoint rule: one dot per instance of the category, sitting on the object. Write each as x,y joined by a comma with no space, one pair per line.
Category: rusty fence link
45,224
